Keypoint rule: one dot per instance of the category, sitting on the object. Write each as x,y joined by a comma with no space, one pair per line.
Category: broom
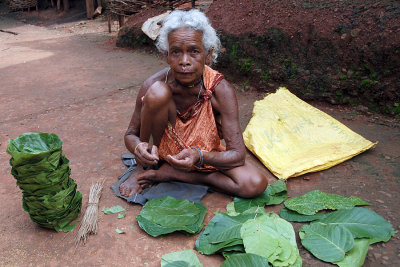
89,221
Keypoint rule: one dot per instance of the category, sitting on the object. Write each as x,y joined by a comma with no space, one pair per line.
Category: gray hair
193,19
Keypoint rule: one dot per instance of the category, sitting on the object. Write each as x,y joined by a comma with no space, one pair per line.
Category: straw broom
89,221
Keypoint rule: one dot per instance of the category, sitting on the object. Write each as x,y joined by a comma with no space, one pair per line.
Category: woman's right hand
143,157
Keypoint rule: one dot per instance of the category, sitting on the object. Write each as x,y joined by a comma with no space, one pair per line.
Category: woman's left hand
184,160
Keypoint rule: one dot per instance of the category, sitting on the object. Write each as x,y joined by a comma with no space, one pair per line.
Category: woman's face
186,55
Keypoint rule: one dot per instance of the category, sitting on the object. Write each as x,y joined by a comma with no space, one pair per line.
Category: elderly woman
188,108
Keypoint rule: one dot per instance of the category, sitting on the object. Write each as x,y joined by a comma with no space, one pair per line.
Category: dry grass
90,219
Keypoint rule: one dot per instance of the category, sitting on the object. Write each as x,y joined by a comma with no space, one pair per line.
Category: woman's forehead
184,35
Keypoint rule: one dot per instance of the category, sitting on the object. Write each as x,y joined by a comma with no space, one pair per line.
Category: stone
152,26
377,255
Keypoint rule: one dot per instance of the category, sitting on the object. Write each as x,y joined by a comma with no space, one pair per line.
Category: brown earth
342,52
69,79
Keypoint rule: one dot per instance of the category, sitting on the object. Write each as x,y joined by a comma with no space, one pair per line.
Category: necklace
189,86
201,87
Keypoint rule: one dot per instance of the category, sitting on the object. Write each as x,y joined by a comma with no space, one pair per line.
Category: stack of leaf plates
42,173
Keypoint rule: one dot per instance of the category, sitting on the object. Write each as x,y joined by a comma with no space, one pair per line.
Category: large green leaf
243,204
167,215
356,256
361,222
227,228
293,216
169,211
271,237
275,193
181,258
178,264
326,242
313,201
245,259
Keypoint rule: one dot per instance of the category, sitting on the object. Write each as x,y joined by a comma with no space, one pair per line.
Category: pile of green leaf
167,214
260,233
42,172
341,237
247,234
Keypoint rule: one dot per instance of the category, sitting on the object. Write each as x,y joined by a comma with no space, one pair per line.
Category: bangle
201,157
136,147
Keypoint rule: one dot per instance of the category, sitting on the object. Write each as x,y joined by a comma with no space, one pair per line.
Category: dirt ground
69,79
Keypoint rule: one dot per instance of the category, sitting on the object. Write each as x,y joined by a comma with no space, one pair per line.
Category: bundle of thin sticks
89,221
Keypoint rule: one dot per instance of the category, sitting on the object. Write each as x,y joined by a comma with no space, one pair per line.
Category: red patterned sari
196,127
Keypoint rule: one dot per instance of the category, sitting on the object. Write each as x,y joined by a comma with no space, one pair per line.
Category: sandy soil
69,79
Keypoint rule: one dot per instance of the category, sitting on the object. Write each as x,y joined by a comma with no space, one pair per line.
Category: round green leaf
326,242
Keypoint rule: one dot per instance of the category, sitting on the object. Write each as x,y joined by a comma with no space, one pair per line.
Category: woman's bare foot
131,185
150,177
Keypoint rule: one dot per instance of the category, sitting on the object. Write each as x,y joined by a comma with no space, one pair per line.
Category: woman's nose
185,60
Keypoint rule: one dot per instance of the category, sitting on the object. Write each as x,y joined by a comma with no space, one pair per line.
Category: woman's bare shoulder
159,76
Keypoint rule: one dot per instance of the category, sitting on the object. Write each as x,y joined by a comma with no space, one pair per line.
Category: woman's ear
209,57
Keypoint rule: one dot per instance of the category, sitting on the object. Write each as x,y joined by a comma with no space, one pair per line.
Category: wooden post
58,5
193,3
89,9
109,22
66,4
121,20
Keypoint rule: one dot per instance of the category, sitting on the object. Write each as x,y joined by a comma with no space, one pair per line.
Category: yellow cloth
292,138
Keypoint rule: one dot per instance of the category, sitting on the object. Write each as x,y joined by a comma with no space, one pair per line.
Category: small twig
10,32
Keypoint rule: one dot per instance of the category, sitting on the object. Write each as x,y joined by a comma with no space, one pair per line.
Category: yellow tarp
292,138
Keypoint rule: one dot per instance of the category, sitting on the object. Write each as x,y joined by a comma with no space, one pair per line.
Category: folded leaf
112,210
119,231
361,222
271,237
223,239
181,258
293,216
326,242
313,201
356,256
275,193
